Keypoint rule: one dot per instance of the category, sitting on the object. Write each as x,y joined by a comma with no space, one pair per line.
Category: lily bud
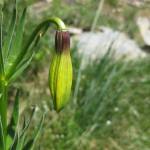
60,75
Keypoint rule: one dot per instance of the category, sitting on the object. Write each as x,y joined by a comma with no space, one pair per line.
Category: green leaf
27,51
14,145
15,115
31,142
26,125
15,51
21,68
28,57
1,54
29,48
23,134
14,121
37,33
16,47
20,138
9,37
2,143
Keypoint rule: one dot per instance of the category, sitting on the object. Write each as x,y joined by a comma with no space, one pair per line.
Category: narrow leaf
31,142
33,41
1,54
40,30
19,140
16,45
14,121
27,54
15,143
26,125
9,37
23,133
15,114
20,69
2,143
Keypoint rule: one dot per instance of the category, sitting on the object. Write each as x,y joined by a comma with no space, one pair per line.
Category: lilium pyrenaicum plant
15,56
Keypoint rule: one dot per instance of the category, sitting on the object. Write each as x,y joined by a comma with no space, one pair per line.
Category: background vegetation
109,105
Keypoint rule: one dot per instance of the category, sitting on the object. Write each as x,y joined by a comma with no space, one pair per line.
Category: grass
111,109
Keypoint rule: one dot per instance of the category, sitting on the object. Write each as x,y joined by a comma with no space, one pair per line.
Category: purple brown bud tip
62,41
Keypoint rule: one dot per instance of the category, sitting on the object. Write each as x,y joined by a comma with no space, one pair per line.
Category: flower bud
60,75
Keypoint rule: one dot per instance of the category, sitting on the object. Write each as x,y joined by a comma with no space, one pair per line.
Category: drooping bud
60,75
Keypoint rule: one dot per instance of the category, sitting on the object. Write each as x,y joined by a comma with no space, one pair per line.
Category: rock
136,3
95,45
144,27
74,30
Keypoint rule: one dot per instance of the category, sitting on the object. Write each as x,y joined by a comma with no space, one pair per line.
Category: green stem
3,108
58,22
38,32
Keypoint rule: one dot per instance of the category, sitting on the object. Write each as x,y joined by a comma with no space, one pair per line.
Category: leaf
31,142
23,134
29,48
20,69
15,143
19,139
27,58
15,115
16,45
2,143
1,54
33,41
27,52
9,37
38,32
26,125
14,121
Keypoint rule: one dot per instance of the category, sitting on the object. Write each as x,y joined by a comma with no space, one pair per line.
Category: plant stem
3,108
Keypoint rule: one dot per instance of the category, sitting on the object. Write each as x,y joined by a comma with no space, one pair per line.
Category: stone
144,27
94,45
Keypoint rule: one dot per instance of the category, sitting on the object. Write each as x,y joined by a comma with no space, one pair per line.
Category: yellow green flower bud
60,75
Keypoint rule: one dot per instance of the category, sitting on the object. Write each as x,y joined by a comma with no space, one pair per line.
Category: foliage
109,105
15,56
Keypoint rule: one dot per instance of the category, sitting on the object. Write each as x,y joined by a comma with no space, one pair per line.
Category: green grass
109,110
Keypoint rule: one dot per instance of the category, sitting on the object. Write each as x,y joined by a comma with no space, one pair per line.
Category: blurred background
110,102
